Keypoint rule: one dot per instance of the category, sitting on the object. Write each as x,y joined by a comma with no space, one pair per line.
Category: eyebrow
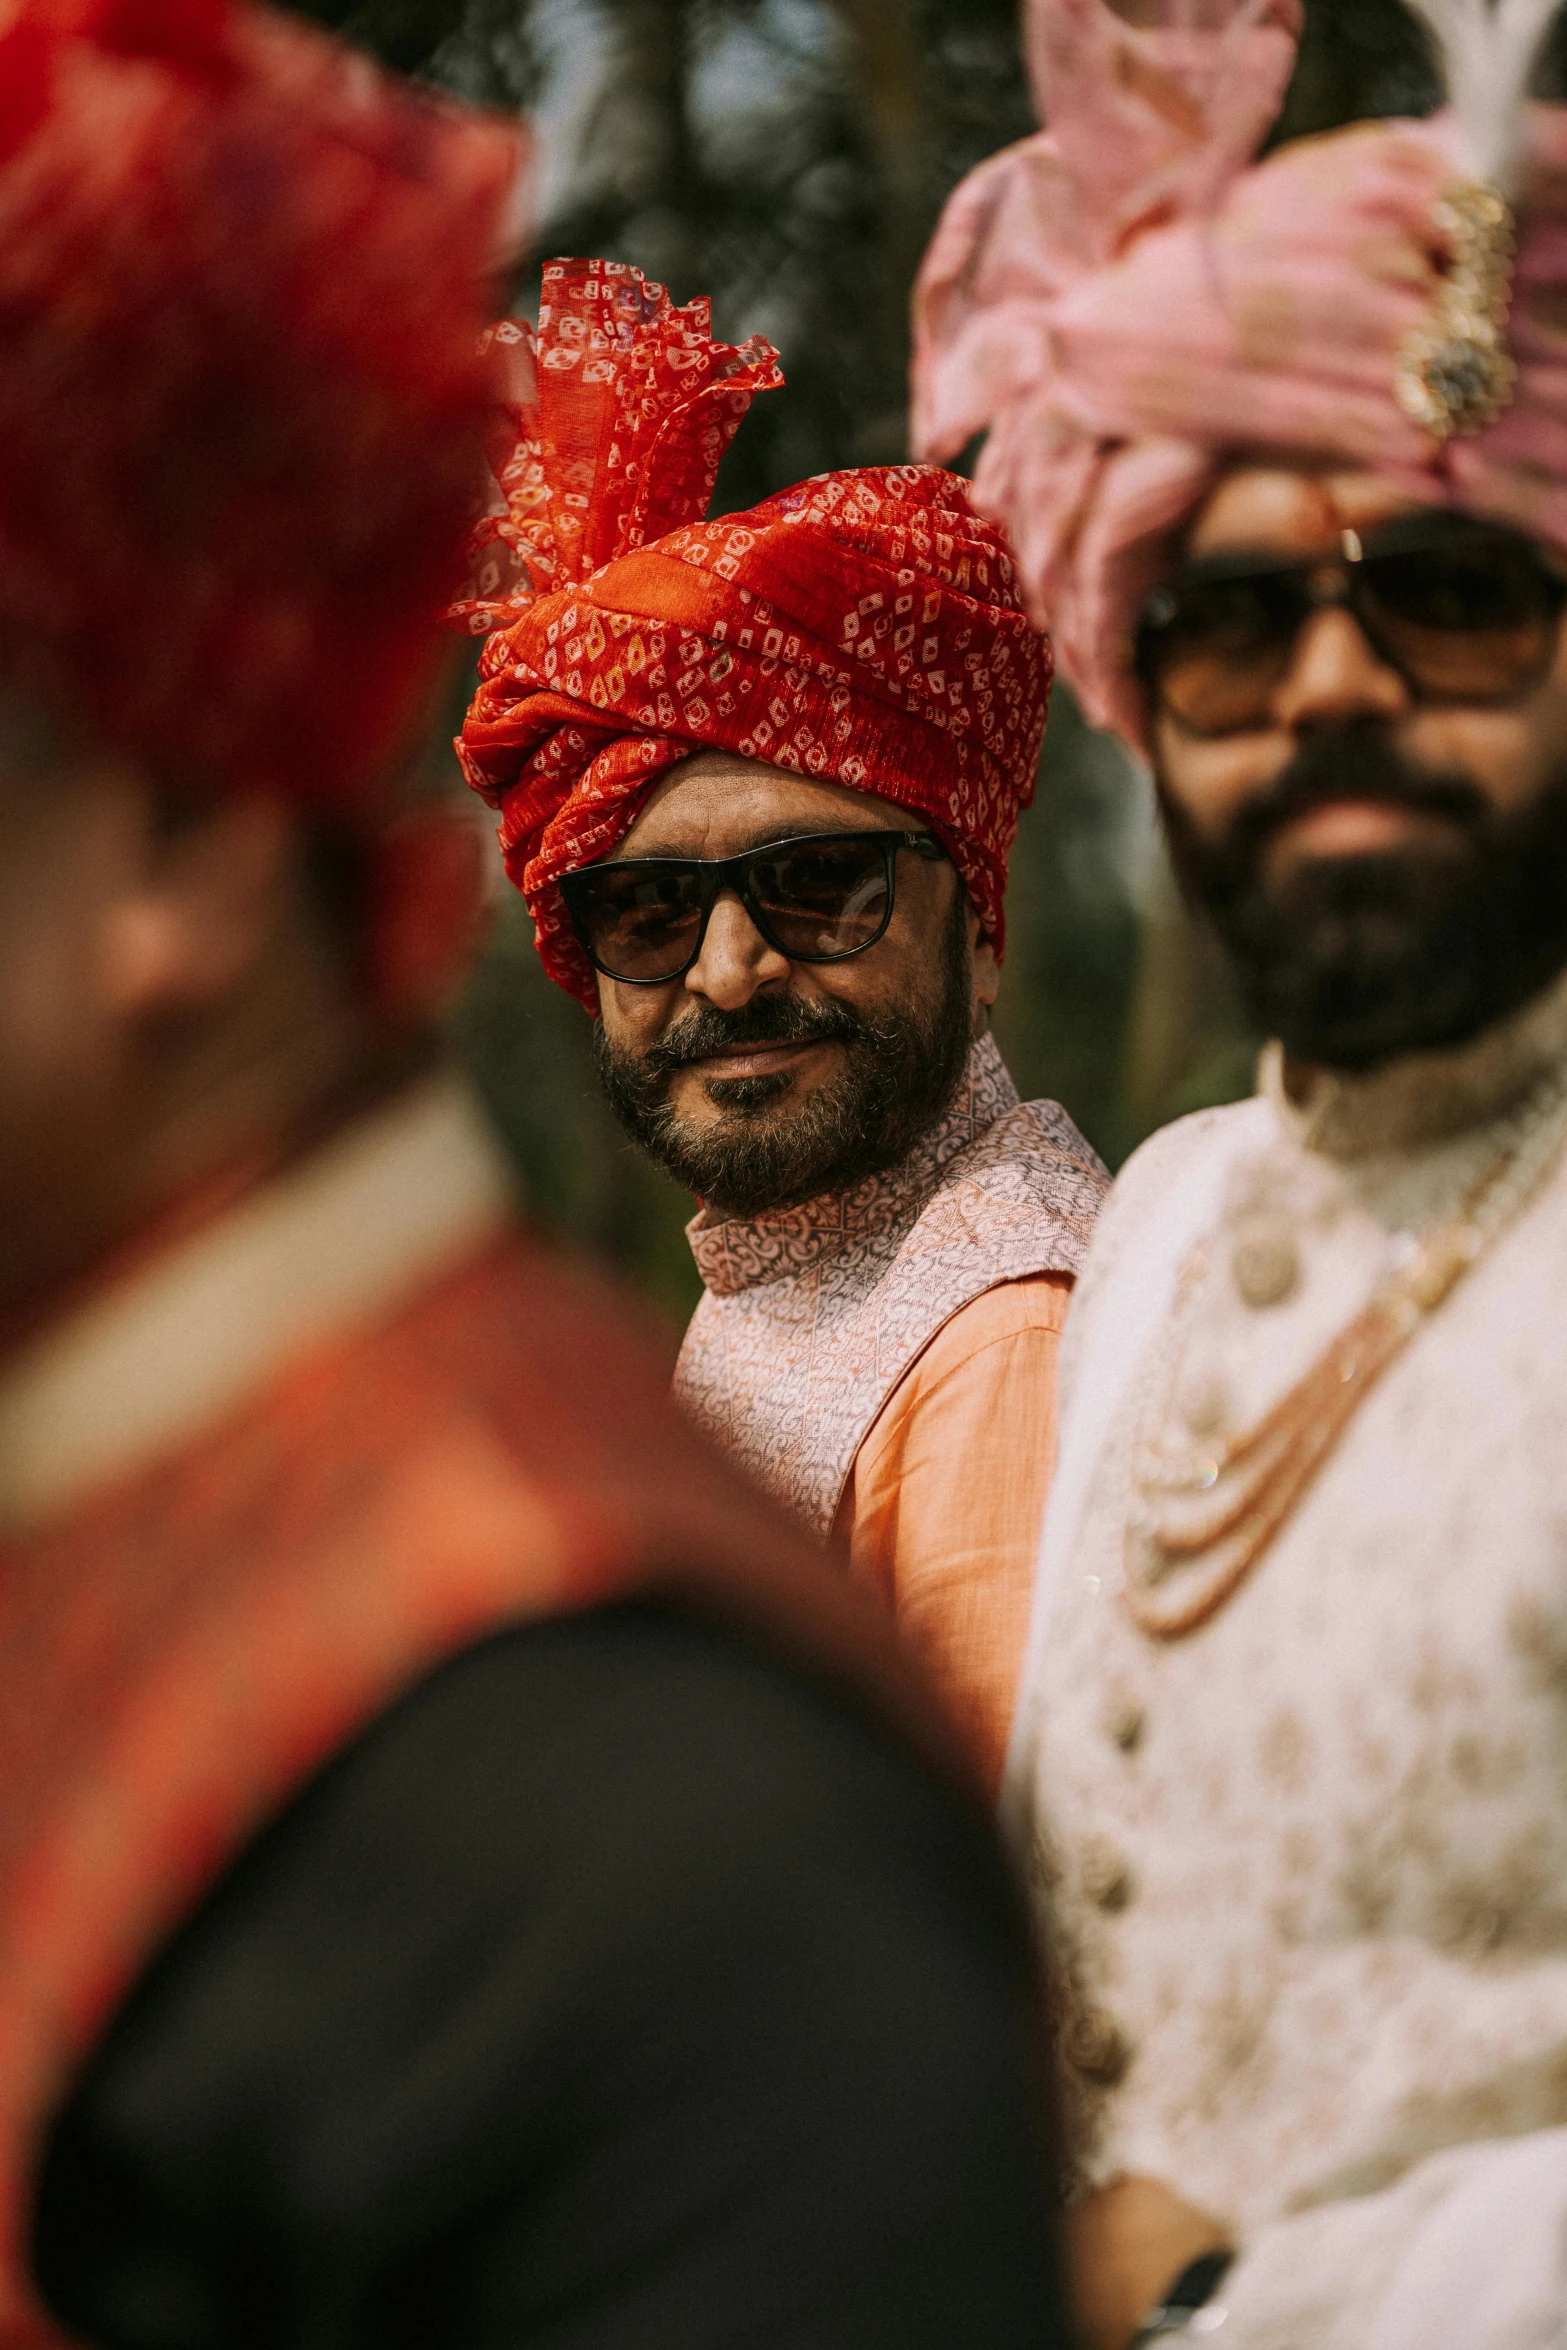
763,840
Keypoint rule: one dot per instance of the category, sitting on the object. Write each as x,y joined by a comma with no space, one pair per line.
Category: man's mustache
1355,762
775,1019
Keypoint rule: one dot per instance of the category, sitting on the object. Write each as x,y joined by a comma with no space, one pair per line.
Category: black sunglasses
1464,612
817,899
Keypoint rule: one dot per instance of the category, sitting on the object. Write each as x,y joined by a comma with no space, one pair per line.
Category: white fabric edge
168,1351
1125,1318
1467,2251
1488,2266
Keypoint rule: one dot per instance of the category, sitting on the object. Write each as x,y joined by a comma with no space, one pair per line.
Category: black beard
898,1079
1353,961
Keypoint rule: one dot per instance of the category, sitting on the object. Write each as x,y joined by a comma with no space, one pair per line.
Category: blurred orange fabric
943,1505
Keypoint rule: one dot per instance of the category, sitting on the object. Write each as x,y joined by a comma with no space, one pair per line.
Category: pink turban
1123,301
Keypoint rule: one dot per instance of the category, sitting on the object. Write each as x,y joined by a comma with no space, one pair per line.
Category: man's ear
986,970
211,888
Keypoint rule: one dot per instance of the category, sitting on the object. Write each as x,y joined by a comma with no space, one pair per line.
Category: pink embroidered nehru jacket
857,1353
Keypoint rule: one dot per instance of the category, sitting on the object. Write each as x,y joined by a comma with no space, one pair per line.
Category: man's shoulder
1031,1171
1059,1136
1030,1308
1046,1141
1166,1154
1145,1190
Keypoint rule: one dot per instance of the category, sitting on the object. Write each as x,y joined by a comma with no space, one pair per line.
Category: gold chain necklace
1221,1505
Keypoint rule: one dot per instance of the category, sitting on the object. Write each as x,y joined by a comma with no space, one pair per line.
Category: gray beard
899,1075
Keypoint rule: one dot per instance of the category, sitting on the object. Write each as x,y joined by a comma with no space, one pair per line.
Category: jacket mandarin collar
739,1252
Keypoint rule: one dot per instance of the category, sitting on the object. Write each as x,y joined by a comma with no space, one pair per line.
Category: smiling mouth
752,1060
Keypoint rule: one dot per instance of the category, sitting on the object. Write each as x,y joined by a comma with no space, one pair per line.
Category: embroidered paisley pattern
814,1313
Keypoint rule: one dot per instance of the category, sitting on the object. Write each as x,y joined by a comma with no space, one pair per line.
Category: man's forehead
717,803
1275,506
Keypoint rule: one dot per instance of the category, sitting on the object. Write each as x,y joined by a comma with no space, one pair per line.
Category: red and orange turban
865,627
241,288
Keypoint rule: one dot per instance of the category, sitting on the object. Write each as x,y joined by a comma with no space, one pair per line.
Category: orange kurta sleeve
943,1505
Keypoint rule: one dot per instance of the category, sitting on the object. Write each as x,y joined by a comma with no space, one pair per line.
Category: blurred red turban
241,280
865,627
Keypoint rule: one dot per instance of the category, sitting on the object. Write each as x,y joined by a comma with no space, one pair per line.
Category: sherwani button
1105,1874
1125,1722
1098,2047
1265,1263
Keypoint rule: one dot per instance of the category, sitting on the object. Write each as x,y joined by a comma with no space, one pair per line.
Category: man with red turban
467,1874
758,779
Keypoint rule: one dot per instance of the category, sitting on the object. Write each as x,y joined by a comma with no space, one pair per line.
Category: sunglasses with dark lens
817,899
1463,612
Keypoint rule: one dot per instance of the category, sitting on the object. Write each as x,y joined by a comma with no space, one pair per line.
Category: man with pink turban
1283,449
758,779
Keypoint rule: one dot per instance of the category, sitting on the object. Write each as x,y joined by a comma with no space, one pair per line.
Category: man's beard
898,1078
1352,961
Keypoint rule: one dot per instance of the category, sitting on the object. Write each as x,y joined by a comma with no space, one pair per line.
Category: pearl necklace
1210,1512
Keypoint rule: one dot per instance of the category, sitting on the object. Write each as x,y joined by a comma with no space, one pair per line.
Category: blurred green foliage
789,158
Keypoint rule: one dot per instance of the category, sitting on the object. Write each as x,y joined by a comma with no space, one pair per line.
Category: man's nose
736,962
1337,674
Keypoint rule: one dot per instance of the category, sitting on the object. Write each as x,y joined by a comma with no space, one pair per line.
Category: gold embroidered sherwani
1309,1862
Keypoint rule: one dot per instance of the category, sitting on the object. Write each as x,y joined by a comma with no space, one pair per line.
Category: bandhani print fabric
864,627
242,281
812,1315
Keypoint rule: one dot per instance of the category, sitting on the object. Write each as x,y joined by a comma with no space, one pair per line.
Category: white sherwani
1309,1863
